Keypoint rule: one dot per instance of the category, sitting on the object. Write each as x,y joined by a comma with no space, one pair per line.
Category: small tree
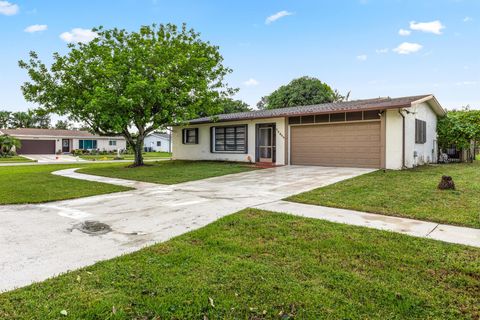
131,83
459,128
62,124
7,143
300,92
229,105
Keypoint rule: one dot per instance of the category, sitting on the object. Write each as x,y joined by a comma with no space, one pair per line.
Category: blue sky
353,45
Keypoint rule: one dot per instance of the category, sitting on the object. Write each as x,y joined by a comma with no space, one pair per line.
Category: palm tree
4,119
7,143
22,119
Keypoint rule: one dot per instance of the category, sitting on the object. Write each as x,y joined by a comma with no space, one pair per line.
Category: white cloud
251,82
8,9
79,35
407,48
466,83
362,57
467,19
382,51
36,28
404,32
278,15
429,27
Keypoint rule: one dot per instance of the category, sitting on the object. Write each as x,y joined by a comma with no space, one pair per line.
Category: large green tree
459,128
131,83
301,92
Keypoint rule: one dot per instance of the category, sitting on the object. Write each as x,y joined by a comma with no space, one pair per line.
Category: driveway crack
432,230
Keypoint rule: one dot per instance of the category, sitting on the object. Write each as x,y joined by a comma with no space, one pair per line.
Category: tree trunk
138,149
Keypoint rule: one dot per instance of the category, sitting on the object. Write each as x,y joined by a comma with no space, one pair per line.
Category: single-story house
158,142
391,133
51,141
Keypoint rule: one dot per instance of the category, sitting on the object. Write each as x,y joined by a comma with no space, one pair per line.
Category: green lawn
262,265
408,193
169,172
146,155
33,184
14,159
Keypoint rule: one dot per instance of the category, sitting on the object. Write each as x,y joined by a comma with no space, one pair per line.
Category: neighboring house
51,141
392,133
158,142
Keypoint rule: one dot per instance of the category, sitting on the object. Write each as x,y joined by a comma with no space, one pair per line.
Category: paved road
38,242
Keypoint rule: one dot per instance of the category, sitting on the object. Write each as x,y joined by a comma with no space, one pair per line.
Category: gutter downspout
403,138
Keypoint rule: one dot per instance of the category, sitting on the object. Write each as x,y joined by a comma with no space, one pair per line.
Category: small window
159,143
190,136
371,115
420,131
354,116
337,117
231,139
112,142
322,118
294,120
308,119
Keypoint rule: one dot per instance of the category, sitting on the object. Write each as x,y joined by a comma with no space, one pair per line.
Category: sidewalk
14,164
416,228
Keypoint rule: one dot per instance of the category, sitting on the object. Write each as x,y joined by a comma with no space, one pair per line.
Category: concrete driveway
40,241
52,158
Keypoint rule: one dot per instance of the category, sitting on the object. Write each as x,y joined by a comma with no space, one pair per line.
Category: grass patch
146,156
408,193
169,172
14,159
257,264
35,183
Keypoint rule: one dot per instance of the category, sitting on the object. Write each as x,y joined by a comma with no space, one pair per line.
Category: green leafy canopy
459,127
300,92
131,83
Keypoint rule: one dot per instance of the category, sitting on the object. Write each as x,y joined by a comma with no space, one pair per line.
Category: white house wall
151,142
415,154
419,154
201,151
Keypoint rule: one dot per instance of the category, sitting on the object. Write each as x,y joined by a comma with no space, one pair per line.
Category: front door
266,143
65,145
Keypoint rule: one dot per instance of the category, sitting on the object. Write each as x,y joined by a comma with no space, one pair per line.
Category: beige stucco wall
415,154
393,140
201,151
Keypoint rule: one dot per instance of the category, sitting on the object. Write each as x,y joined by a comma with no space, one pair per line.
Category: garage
37,147
337,145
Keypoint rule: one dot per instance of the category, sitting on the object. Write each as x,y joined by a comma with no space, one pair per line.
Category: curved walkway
71,173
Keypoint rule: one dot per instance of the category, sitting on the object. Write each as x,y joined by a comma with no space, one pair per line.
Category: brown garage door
37,147
337,145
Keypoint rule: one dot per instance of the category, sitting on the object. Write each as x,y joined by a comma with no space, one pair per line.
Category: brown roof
46,132
346,106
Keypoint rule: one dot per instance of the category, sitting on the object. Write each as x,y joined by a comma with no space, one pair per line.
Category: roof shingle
46,132
346,106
